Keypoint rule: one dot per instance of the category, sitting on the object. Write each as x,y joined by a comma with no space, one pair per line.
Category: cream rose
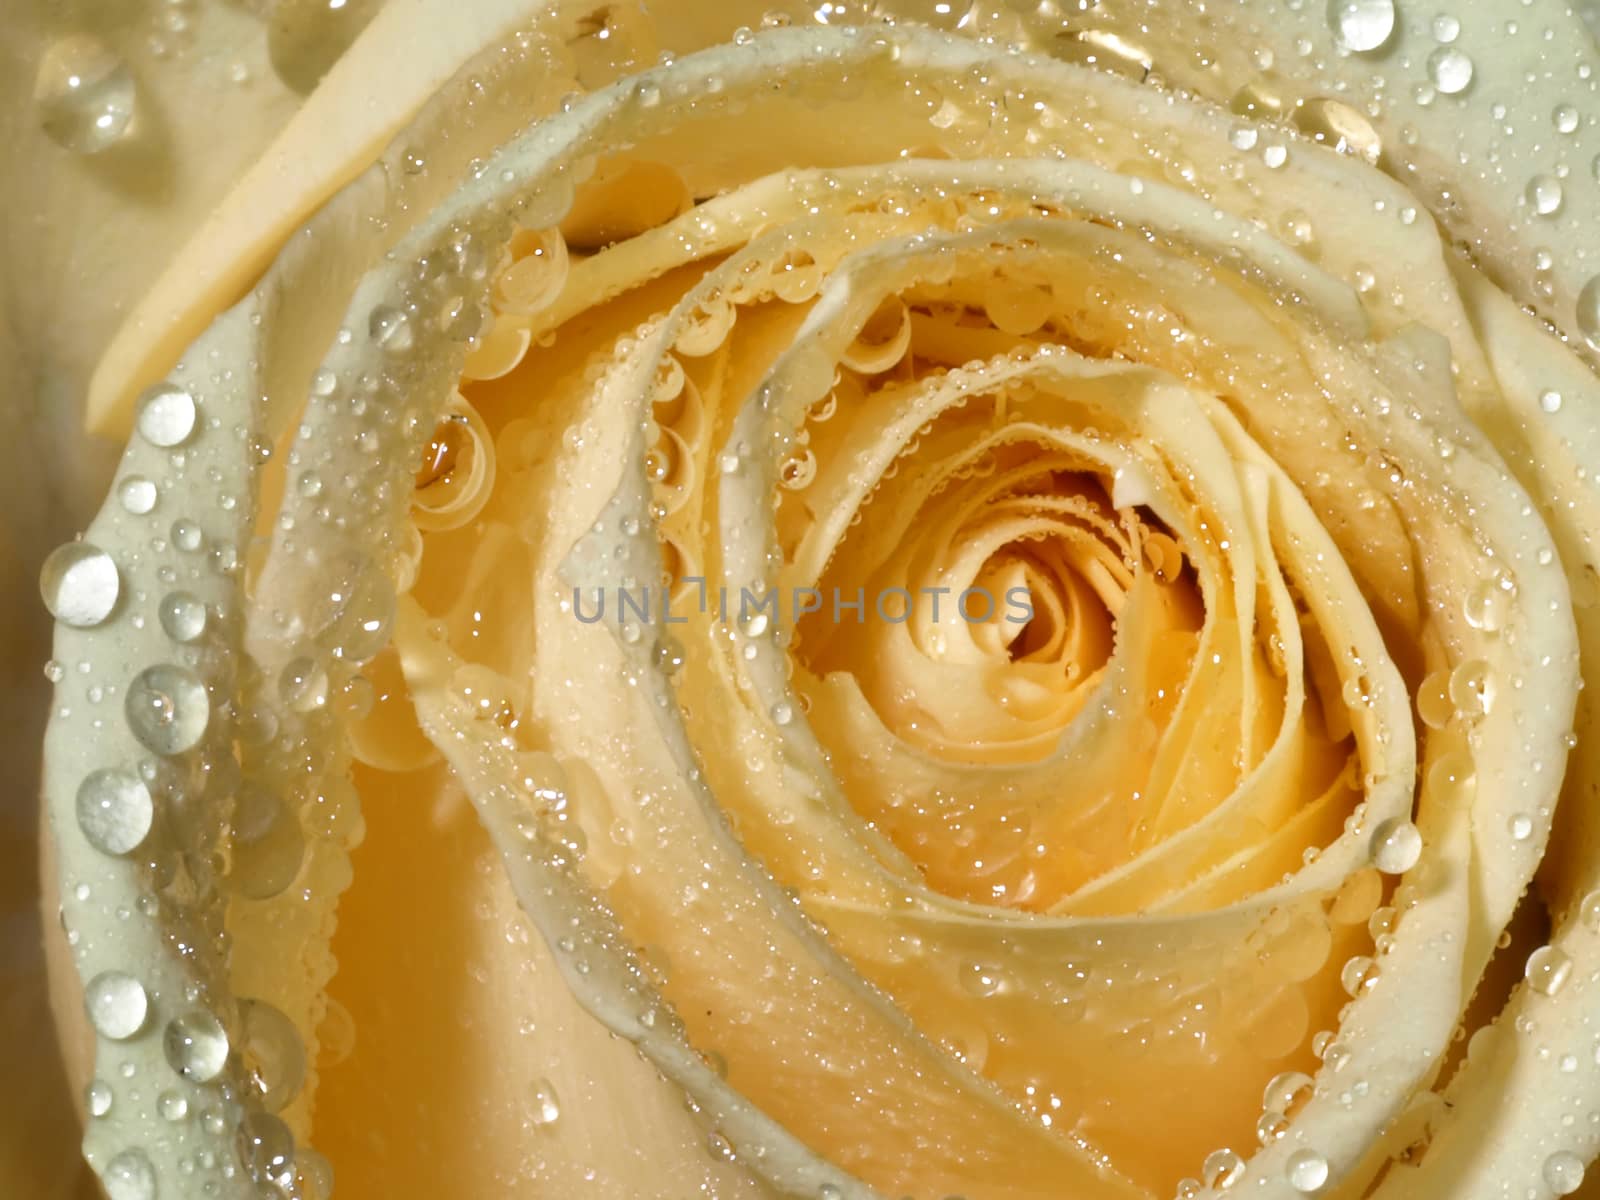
873,608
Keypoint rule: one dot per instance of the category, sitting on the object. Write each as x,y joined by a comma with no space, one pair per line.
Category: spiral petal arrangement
998,669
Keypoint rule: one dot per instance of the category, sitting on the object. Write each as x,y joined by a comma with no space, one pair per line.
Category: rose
1233,487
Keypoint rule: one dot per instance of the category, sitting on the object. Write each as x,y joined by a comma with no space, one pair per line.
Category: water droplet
1472,688
1361,25
1550,400
1450,70
546,1104
168,709
1359,974
117,1004
1589,910
1396,846
115,811
274,1053
1563,1172
1307,1171
982,979
1544,195
85,95
357,611
137,494
306,37
98,1098
266,1148
1486,606
172,1106
129,1176
1446,29
167,415
1286,1091
80,584
391,329
268,845
183,616
1335,123
1222,1168
1547,970
196,1046
1565,118
1589,313
303,685
1270,1127
1520,826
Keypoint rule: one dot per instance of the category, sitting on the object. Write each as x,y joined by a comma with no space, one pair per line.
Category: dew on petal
118,1005
80,585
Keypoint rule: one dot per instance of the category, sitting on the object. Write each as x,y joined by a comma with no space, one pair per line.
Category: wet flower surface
848,600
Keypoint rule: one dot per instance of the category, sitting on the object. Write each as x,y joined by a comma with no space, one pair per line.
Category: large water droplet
274,1053
85,95
129,1176
117,1004
168,709
266,1147
196,1045
1396,846
1361,25
80,584
1563,1172
167,415
1450,70
183,616
1547,970
1307,1171
268,845
115,811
